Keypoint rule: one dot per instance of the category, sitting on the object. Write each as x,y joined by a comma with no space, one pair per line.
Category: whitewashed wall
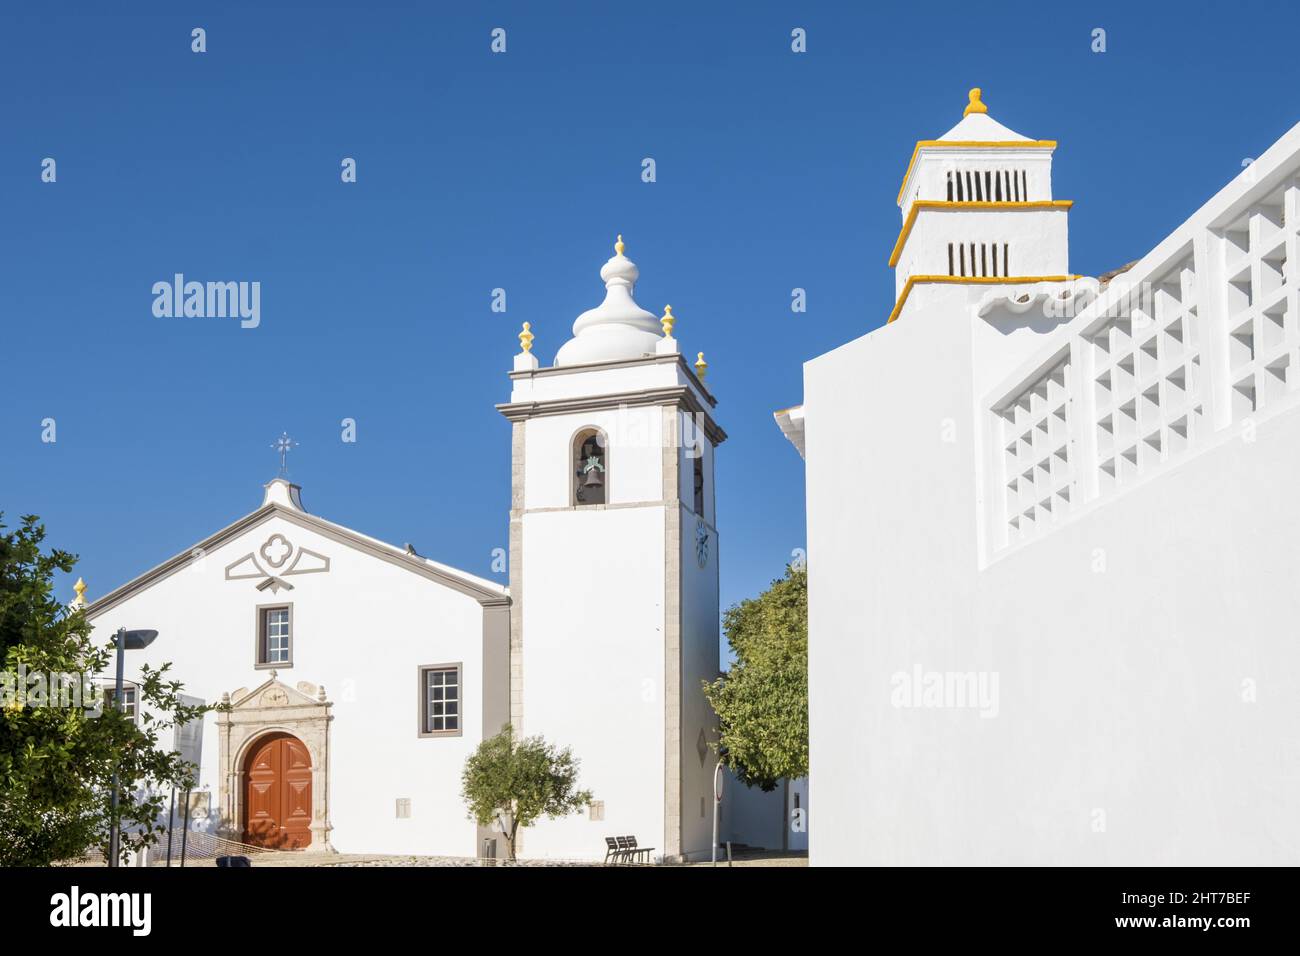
593,611
1139,624
593,664
1036,240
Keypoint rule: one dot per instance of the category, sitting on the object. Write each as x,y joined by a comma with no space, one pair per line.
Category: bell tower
977,208
614,572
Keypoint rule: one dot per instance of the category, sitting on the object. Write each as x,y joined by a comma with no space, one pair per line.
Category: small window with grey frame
275,636
440,700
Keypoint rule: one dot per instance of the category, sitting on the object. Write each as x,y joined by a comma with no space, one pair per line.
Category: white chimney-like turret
977,207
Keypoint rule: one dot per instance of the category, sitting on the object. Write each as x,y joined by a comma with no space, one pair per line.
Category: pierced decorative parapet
1147,376
1037,467
1201,340
1259,252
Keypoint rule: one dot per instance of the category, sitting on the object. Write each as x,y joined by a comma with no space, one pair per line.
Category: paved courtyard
388,860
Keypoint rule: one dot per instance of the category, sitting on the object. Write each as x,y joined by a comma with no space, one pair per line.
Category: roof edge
496,595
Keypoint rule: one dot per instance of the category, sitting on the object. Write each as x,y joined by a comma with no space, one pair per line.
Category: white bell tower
614,573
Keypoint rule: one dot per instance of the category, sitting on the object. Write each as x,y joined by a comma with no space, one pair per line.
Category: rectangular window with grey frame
440,700
275,636
129,699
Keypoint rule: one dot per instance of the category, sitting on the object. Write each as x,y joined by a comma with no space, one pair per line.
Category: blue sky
775,170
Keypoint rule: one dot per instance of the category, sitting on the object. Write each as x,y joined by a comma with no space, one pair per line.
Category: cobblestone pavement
762,858
362,859
375,859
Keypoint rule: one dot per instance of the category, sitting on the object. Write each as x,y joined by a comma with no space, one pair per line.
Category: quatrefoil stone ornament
276,550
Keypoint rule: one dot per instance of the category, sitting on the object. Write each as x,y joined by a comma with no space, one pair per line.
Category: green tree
512,782
57,762
762,701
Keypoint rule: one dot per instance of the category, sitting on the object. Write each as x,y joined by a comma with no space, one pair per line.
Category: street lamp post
126,641
717,802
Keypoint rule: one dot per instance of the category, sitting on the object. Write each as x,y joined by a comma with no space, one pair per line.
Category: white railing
1200,335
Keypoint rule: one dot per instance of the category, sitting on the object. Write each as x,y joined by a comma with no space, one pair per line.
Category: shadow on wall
772,820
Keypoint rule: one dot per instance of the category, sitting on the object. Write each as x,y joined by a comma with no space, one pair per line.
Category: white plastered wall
1034,241
593,614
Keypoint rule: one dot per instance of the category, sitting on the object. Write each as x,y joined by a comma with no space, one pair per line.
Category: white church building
1053,531
360,675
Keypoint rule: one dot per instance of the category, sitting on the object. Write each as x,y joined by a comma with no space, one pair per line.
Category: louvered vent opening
987,185
979,259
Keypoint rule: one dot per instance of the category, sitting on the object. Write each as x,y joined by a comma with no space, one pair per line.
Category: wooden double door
277,793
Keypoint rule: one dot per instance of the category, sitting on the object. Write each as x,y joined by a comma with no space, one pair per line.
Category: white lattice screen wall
1037,467
1259,260
1148,403
1190,345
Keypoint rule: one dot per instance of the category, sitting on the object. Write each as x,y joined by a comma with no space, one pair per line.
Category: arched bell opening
590,467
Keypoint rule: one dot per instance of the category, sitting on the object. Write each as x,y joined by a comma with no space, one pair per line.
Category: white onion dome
618,328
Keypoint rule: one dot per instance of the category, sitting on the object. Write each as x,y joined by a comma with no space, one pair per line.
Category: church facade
1051,531
359,676
341,732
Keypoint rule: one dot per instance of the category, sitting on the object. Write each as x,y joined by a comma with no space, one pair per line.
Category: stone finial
975,105
618,246
526,338
79,601
668,320
320,693
701,366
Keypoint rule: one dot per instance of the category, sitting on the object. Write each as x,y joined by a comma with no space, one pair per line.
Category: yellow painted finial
701,366
668,320
80,588
975,105
618,246
526,338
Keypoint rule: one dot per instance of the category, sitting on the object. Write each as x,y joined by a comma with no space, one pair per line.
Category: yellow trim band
972,280
970,144
944,204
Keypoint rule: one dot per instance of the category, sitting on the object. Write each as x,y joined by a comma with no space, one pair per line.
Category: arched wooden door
277,793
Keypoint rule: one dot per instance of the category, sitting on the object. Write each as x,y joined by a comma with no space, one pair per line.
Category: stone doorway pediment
274,693
273,706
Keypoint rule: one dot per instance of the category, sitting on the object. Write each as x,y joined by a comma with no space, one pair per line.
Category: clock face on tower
701,543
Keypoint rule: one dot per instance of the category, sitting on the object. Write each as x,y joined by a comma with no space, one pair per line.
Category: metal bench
612,849
631,852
